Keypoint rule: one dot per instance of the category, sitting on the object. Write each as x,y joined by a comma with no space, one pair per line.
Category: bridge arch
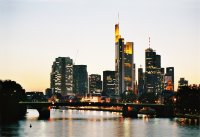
161,110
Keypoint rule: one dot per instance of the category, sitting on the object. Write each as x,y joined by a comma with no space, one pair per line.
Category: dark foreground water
75,123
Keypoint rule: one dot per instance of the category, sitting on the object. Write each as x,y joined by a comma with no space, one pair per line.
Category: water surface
80,123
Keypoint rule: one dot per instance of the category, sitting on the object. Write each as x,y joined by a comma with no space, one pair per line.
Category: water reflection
9,129
95,124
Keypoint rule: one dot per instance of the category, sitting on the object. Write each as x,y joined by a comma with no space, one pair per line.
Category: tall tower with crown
124,66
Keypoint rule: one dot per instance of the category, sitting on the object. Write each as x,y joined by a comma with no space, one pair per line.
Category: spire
118,18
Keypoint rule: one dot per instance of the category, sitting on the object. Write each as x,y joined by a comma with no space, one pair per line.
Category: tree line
188,99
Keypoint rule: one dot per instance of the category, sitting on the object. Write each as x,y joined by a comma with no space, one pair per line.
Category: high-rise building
123,64
80,79
153,77
62,76
95,84
182,82
169,79
109,82
140,81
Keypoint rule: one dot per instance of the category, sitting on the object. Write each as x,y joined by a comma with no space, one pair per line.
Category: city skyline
34,33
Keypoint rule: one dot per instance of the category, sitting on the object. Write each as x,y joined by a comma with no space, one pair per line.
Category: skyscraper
140,81
123,64
80,79
169,79
153,77
109,83
95,84
62,76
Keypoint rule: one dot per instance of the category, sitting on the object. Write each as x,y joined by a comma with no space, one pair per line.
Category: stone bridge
128,109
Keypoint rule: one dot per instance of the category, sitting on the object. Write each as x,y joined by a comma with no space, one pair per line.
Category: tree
11,93
188,99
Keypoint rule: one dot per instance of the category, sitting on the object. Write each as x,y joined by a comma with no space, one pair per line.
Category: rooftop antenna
149,42
118,17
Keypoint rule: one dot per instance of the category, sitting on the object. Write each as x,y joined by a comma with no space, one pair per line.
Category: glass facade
95,84
109,83
124,68
153,75
62,76
80,79
169,78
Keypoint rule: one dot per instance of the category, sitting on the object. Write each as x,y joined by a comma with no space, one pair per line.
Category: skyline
34,33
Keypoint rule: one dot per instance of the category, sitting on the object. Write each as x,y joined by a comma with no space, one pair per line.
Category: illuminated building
182,82
62,76
109,83
169,79
95,84
124,68
80,79
153,73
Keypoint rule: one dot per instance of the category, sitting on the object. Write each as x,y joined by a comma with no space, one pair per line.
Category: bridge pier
126,112
44,112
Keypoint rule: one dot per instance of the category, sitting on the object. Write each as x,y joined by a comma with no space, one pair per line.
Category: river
80,123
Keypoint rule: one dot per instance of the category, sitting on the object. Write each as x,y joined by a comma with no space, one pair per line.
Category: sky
34,32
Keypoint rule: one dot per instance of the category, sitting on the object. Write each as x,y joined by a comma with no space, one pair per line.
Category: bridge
128,109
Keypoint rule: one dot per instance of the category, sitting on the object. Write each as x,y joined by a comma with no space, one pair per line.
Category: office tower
153,77
62,76
169,79
182,82
140,81
109,83
80,79
123,64
95,84
158,61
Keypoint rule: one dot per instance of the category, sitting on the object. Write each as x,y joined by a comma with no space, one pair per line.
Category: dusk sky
34,32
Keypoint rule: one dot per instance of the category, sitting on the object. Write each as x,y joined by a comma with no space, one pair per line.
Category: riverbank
188,119
94,109
191,116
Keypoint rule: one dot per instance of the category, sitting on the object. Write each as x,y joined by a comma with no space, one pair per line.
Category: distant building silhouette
109,82
48,92
95,84
182,83
153,73
80,79
124,64
62,76
140,81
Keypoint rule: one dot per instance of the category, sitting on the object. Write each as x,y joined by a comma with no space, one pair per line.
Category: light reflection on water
80,123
